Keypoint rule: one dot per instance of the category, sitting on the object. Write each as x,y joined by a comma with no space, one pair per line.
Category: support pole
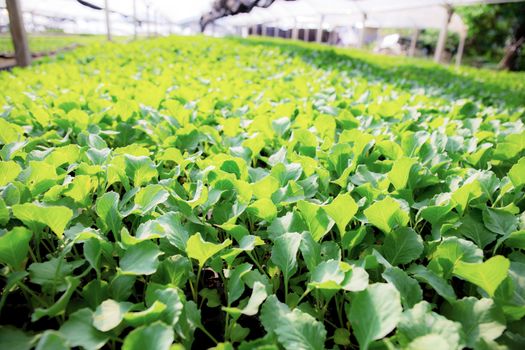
461,47
148,24
108,21
156,22
363,32
135,21
413,43
442,40
295,30
18,33
319,32
263,29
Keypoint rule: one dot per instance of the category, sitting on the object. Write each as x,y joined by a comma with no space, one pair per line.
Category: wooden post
18,33
413,43
135,21
442,40
461,47
108,21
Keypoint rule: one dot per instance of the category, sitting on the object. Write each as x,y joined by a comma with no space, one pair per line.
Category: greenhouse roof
306,13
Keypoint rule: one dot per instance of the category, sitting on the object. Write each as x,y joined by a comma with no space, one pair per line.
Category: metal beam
18,33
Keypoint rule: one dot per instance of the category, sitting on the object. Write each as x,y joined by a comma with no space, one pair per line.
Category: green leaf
516,173
327,275
516,240
294,329
79,331
4,213
42,176
149,197
455,250
487,275
14,246
342,210
32,214
499,221
264,209
148,316
79,189
109,314
472,227
316,219
235,282
9,171
107,209
284,253
408,288
402,246
52,340
61,304
265,187
428,341
10,132
509,294
374,312
200,196
200,250
332,275
170,297
259,294
14,338
386,214
481,319
141,259
463,195
420,321
140,169
53,272
342,337
290,222
156,336
441,286
400,172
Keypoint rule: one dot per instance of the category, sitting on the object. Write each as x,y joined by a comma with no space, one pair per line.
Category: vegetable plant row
200,193
49,43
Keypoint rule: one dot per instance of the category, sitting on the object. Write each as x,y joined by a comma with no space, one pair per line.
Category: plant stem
306,292
339,311
195,290
208,334
256,263
286,291
33,294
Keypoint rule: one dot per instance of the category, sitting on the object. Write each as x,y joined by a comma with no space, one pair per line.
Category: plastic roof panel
306,13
